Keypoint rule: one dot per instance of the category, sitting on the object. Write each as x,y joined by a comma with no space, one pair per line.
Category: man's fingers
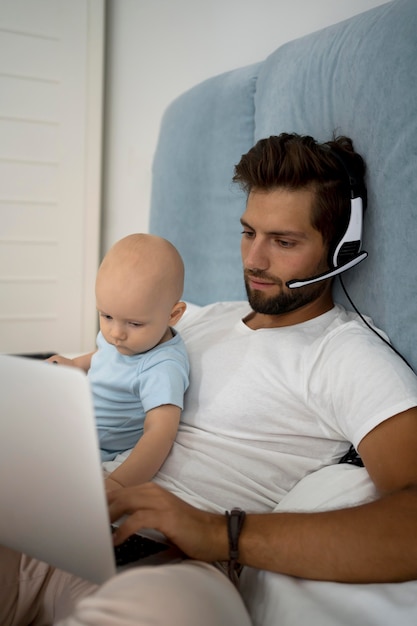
141,504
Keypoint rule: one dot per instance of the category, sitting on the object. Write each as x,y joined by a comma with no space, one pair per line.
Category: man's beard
283,302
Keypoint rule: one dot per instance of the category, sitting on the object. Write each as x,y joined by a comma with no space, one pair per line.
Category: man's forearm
375,542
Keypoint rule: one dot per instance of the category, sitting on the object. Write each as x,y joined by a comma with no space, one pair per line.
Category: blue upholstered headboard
358,78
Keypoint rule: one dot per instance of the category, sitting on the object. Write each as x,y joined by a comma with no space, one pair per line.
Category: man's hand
198,534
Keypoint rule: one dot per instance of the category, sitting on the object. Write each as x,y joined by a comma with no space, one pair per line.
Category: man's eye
285,244
247,233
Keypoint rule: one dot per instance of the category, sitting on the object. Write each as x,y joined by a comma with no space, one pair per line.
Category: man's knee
186,593
33,592
9,584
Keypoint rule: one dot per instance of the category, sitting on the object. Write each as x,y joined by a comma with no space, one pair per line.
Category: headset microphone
347,253
329,274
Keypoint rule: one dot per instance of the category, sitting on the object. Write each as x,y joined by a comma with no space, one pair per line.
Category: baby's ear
177,312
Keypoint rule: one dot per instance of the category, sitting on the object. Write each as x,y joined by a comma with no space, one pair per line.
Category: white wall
159,48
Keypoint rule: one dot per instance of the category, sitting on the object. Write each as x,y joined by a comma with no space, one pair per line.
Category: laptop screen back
52,491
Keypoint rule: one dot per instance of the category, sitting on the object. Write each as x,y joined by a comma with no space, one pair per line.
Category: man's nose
256,257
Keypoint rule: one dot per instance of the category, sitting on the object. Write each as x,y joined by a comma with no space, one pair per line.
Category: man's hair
297,162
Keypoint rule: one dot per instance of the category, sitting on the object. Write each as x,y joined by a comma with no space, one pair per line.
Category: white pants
182,594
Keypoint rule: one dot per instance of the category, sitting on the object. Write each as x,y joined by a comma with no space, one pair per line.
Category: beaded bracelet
235,519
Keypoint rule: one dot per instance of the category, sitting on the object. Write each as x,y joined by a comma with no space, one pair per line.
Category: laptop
52,492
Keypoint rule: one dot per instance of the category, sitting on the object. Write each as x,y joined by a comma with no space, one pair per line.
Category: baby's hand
60,360
111,485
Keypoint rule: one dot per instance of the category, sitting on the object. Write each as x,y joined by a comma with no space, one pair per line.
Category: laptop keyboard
137,547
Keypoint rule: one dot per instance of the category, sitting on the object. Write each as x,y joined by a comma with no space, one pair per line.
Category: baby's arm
83,361
160,429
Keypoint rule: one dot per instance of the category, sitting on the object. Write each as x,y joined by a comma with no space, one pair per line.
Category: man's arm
160,429
374,542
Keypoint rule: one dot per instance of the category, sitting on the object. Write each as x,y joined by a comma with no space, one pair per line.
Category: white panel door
51,80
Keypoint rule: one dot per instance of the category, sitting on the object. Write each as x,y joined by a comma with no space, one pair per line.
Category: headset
347,252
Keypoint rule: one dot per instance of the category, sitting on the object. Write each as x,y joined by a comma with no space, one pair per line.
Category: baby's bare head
146,265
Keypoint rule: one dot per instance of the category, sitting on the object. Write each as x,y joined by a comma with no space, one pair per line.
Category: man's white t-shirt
267,407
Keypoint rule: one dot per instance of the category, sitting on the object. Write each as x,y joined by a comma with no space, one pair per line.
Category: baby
139,372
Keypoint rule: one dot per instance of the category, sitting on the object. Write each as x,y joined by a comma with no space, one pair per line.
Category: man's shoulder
351,324
196,315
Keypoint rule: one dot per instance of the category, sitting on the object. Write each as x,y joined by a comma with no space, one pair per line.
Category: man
278,390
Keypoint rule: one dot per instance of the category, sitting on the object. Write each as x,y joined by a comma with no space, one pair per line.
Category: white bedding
278,600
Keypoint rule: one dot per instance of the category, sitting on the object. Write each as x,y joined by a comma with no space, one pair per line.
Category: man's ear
177,312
